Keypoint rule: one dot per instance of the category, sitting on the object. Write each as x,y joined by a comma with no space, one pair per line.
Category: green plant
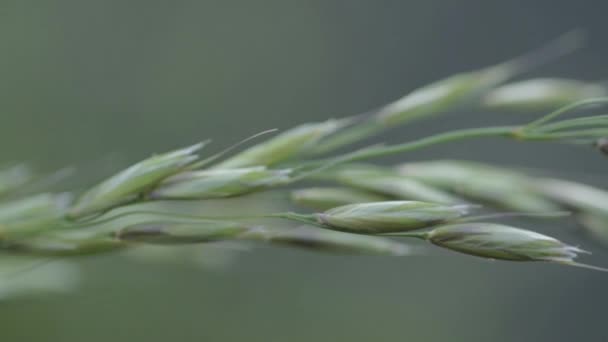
372,204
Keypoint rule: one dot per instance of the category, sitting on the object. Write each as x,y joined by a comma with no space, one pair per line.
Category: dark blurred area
86,81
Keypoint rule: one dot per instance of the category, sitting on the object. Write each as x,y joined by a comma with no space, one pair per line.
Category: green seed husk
130,183
444,94
496,241
541,94
61,245
31,215
324,240
389,216
219,183
387,182
588,202
575,196
496,186
170,233
34,207
284,146
331,197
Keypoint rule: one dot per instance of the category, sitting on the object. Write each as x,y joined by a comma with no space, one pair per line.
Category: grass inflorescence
358,208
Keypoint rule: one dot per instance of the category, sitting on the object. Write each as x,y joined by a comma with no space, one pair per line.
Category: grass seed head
32,215
390,183
34,207
495,241
128,184
331,197
324,240
220,183
169,233
443,94
575,196
389,216
62,244
284,146
483,183
541,94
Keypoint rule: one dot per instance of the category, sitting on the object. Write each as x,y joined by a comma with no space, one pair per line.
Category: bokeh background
99,84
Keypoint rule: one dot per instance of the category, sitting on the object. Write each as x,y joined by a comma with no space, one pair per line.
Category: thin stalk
575,123
584,133
564,110
381,151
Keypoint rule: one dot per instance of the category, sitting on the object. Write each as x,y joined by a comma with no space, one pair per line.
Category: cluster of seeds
367,209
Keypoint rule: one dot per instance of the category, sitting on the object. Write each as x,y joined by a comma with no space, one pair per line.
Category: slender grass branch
567,109
381,151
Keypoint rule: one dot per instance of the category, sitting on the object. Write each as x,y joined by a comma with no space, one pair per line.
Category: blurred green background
98,84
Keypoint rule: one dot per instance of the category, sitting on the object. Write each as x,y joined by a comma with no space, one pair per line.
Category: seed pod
327,198
282,147
32,215
389,217
589,203
502,242
543,94
390,183
575,196
220,183
127,184
168,233
443,94
329,241
34,207
61,245
480,182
